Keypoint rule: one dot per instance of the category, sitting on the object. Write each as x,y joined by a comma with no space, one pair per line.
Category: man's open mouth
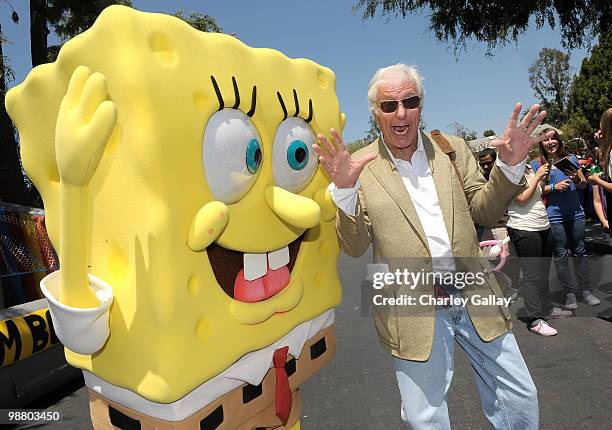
253,277
401,129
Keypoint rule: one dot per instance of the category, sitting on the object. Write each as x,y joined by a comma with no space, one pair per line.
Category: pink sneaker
543,329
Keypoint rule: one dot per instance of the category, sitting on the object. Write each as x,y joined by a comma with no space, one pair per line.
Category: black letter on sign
54,338
13,337
38,327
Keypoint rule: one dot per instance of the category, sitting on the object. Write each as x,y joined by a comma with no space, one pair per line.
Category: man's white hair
394,73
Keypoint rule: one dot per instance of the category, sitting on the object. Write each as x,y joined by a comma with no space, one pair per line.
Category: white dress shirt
417,178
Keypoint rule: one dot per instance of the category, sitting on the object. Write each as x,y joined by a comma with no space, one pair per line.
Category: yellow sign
25,335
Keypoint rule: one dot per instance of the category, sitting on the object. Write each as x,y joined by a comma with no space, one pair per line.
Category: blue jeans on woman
568,238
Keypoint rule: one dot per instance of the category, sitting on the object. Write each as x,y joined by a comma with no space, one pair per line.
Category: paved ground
358,390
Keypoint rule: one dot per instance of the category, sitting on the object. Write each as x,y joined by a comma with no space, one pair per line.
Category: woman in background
566,217
529,230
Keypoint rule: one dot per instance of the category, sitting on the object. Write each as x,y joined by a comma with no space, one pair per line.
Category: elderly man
415,197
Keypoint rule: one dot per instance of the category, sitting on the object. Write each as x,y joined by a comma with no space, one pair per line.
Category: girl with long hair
567,222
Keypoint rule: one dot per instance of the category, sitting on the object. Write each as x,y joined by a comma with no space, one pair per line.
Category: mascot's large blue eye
294,162
253,156
297,155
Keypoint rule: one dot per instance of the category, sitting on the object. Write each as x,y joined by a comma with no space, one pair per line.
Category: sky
471,89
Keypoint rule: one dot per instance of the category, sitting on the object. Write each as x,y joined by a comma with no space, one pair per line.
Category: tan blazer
387,219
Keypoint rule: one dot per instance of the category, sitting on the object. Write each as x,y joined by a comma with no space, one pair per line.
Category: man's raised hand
337,161
516,143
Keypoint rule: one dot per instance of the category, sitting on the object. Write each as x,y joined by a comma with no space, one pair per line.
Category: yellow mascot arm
85,122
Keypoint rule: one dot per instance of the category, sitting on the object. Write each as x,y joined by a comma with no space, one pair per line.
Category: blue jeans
568,238
508,395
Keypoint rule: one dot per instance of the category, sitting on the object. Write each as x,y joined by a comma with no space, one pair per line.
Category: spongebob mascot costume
198,254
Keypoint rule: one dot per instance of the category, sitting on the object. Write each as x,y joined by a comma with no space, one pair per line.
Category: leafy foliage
591,91
550,78
488,132
577,128
497,22
200,21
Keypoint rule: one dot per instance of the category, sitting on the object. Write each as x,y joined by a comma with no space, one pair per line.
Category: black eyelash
309,111
297,103
218,92
236,93
297,106
251,112
282,103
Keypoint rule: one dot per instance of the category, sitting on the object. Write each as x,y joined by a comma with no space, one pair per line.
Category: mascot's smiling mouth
253,278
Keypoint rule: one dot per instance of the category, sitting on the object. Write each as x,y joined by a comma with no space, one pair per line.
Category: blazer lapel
383,168
441,170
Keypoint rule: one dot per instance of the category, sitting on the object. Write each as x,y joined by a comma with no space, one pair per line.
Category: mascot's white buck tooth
255,266
279,258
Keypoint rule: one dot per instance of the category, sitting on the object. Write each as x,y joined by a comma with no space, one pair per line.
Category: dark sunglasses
389,106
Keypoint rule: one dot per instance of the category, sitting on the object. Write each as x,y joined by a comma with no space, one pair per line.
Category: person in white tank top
529,230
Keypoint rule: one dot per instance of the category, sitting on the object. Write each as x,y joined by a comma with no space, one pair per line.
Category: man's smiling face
400,127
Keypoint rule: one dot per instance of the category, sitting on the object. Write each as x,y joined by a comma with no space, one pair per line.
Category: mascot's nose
294,209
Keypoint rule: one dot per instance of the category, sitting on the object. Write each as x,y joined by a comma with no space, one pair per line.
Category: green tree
200,21
550,78
497,22
577,128
591,90
489,132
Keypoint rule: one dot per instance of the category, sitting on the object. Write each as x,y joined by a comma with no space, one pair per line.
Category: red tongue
261,288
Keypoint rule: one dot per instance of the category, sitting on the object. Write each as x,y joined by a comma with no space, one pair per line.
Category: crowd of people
547,221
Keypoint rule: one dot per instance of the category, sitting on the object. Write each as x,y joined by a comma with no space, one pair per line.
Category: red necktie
283,392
